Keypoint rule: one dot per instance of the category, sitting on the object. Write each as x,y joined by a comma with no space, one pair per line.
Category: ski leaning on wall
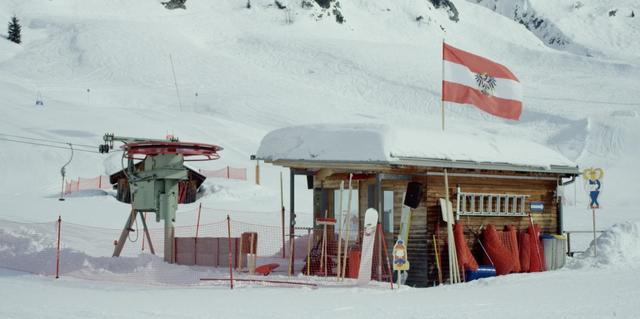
368,239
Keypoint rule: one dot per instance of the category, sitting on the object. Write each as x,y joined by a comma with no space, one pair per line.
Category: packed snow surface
592,287
385,143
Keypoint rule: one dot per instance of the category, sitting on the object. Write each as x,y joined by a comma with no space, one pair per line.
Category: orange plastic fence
511,251
466,260
321,257
226,172
102,182
510,241
525,252
537,250
195,245
99,182
500,255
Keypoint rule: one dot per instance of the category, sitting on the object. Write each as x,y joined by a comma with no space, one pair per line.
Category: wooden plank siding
427,219
417,246
538,190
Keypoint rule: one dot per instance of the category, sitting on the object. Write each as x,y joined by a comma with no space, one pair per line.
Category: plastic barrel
484,271
561,250
554,250
549,244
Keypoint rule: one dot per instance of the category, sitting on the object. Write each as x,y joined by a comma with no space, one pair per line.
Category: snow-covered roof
378,143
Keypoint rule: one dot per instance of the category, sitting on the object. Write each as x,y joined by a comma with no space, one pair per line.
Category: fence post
569,244
284,246
195,244
386,257
228,172
175,249
100,182
58,249
257,172
309,244
230,258
198,220
144,216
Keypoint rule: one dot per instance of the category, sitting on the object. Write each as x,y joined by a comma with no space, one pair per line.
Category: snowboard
368,239
405,225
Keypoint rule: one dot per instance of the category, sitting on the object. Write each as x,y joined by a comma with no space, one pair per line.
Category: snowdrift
32,250
618,246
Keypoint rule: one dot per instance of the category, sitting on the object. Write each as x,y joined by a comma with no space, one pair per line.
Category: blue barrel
484,271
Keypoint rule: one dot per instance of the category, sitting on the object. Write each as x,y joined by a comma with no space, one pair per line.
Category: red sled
265,270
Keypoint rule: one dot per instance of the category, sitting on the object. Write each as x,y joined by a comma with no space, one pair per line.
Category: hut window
342,219
387,221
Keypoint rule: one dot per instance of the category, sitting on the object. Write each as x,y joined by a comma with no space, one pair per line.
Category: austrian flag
472,79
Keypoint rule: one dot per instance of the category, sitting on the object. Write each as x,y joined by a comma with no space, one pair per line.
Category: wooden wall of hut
539,190
426,219
122,191
418,241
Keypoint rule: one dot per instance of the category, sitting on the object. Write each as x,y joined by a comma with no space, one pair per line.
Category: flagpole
442,89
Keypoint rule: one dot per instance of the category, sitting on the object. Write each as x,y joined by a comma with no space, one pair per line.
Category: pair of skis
368,239
447,215
342,257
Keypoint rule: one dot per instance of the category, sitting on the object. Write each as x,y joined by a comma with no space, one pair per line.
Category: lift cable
46,140
47,145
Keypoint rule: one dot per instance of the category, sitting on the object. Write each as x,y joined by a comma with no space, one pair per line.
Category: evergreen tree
14,30
175,4
324,3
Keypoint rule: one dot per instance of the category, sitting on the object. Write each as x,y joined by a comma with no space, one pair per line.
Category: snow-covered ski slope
590,28
259,69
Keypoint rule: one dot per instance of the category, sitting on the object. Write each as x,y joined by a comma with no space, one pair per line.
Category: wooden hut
187,189
492,180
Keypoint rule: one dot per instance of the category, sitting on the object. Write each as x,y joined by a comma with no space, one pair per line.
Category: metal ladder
487,204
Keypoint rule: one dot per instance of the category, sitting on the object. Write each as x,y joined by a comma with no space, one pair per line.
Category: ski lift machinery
154,187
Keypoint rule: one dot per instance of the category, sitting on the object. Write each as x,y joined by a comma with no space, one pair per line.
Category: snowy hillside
104,66
590,28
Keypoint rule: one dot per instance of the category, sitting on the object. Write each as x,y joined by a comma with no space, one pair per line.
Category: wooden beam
322,174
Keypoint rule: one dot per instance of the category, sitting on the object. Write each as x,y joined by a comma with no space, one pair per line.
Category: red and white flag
472,79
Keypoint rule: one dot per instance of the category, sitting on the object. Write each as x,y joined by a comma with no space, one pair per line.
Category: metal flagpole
442,90
339,224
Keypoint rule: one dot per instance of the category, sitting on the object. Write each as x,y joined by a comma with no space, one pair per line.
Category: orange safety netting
466,260
102,182
99,182
510,241
321,258
498,253
209,246
525,252
226,172
537,251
